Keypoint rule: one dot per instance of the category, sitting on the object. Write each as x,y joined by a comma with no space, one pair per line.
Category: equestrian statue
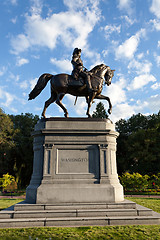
81,83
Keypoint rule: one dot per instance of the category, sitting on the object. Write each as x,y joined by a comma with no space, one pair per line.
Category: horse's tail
41,83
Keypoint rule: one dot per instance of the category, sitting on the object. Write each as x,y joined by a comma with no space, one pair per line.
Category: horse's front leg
90,100
105,98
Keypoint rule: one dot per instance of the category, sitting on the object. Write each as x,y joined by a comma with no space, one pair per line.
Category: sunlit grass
152,203
5,203
83,233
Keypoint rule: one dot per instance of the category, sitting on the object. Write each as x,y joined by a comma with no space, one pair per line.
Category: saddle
79,81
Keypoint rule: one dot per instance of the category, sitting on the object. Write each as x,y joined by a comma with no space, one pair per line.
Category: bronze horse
62,84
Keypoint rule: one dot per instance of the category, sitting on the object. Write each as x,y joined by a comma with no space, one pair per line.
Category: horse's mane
97,68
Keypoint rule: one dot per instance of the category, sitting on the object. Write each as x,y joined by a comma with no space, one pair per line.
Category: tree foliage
7,143
23,151
16,146
100,111
138,144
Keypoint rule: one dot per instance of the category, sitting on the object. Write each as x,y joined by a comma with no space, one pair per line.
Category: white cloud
105,53
116,91
155,86
129,47
35,56
19,43
157,59
36,7
140,56
155,8
75,5
158,45
127,109
14,20
14,2
2,70
22,61
109,29
128,20
71,27
154,103
64,64
156,24
140,81
140,67
14,77
122,110
24,85
81,106
7,99
125,5
33,82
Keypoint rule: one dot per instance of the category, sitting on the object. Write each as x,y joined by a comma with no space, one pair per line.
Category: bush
7,182
134,181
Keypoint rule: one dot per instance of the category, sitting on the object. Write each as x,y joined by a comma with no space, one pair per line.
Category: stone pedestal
74,162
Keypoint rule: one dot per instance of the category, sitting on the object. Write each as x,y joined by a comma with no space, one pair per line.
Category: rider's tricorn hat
76,50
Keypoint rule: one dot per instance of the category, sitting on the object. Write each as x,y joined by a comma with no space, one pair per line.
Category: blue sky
38,36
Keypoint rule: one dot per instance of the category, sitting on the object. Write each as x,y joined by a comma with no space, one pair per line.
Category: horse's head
108,76
104,72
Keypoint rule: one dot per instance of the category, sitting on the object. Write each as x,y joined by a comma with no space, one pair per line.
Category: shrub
7,182
134,181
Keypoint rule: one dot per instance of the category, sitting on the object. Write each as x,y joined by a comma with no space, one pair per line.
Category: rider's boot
89,86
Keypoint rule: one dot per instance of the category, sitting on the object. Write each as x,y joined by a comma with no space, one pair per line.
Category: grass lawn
152,203
83,233
5,203
148,232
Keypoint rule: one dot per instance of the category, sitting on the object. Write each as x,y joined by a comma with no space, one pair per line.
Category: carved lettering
74,159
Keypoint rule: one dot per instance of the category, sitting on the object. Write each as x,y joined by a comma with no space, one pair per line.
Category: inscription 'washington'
74,159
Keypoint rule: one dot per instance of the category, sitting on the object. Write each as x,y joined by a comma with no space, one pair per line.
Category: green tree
143,151
16,146
134,123
23,151
138,144
7,143
100,111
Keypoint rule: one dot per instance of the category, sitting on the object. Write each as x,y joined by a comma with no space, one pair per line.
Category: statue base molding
74,162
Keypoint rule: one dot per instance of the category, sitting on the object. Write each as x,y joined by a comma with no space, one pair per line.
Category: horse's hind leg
59,103
48,102
90,100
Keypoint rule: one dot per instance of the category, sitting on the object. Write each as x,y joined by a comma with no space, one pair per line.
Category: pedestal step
79,221
124,213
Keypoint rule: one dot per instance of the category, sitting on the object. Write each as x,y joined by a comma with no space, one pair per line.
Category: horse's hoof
43,116
89,116
66,115
109,111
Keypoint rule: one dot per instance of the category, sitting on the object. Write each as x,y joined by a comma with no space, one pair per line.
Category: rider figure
78,69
